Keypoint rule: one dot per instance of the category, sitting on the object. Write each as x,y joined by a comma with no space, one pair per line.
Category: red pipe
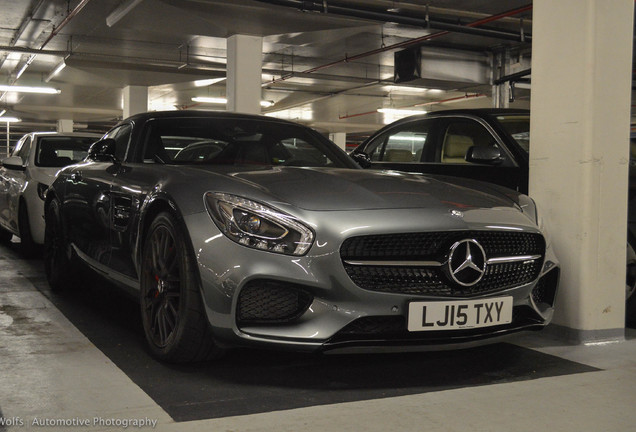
468,96
65,21
409,42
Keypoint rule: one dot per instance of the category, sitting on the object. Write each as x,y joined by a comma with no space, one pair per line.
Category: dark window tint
222,141
59,151
518,126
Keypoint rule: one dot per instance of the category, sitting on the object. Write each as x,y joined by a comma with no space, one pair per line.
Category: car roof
68,134
142,117
477,112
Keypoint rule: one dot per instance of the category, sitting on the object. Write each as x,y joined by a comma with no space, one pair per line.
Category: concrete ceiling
330,70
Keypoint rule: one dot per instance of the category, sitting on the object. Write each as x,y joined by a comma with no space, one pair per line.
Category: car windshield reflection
236,142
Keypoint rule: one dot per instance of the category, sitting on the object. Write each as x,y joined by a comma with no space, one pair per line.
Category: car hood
323,189
45,175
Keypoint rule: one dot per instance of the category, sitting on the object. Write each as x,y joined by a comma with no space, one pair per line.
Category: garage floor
78,362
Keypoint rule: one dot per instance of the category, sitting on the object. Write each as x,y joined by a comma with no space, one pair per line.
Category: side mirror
484,155
14,163
103,151
361,159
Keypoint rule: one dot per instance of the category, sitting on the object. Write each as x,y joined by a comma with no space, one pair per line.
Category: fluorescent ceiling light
211,100
3,112
396,111
29,89
220,100
9,119
121,11
405,89
522,85
207,82
55,71
24,68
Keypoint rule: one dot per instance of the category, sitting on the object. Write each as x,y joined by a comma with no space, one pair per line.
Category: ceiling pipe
398,45
437,102
65,21
513,77
24,50
395,17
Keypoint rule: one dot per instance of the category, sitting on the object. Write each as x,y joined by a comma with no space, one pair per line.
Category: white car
26,175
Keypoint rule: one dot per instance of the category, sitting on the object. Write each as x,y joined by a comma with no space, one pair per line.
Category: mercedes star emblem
467,262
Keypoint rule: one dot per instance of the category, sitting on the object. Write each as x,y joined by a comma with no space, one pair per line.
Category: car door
131,182
440,145
460,137
12,183
87,204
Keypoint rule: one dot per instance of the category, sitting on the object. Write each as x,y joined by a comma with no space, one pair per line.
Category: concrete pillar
581,90
65,125
339,138
135,100
244,66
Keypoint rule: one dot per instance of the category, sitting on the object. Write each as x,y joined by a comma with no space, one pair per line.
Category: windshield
229,141
518,126
60,151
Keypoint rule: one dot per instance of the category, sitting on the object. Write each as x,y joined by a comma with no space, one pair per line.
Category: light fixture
3,112
29,89
207,82
55,71
396,111
404,89
24,68
121,11
220,100
10,119
210,100
522,85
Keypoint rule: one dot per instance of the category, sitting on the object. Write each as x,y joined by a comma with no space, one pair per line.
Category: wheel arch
151,208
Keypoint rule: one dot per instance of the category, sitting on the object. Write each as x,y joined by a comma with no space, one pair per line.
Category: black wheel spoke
161,286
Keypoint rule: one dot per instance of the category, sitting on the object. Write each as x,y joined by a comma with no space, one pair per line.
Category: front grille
434,280
430,245
264,301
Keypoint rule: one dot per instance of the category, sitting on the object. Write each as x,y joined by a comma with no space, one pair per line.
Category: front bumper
323,309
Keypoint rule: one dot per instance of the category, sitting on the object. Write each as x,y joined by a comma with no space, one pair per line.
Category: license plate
460,314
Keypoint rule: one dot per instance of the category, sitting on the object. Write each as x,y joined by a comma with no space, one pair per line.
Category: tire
57,261
27,246
174,321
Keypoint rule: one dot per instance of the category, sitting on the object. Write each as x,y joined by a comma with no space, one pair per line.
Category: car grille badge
467,262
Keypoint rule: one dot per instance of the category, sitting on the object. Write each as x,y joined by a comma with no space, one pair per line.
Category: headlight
258,226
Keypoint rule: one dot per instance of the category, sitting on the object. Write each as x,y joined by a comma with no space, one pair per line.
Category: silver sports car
246,230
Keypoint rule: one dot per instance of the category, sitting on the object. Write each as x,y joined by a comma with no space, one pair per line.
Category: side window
23,148
405,143
461,134
121,135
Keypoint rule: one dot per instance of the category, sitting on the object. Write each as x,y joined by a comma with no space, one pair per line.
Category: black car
484,144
